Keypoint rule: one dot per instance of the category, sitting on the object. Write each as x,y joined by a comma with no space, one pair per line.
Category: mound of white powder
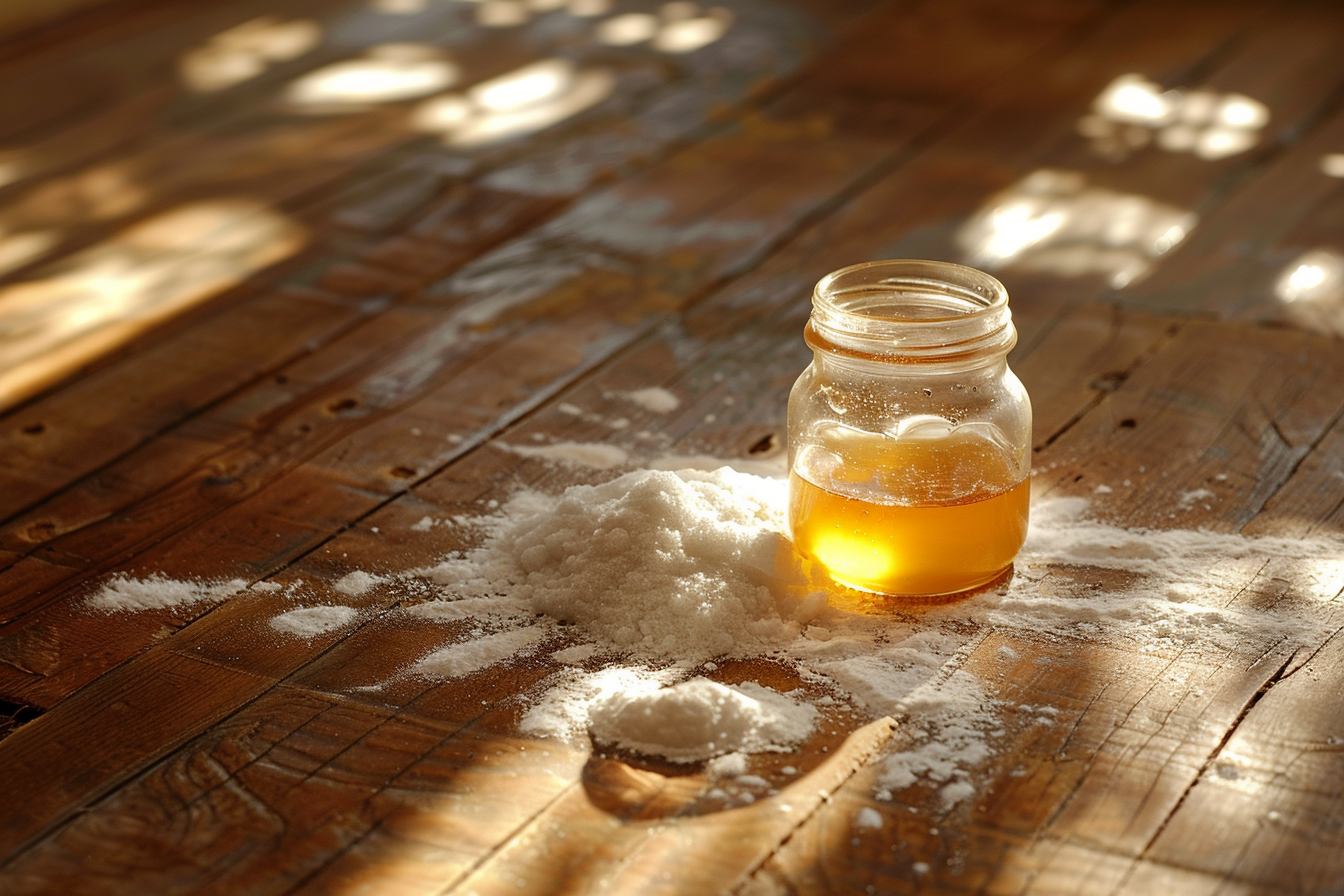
697,719
687,565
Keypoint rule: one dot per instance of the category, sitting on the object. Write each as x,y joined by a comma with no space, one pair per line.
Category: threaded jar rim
909,310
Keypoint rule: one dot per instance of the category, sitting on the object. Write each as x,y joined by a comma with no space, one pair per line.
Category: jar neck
911,312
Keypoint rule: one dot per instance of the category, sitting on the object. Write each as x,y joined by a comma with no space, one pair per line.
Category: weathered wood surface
445,302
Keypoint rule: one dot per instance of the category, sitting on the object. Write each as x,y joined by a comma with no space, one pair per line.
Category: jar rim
912,310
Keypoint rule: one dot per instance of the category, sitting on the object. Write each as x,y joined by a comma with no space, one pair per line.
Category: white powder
586,454
471,608
680,565
952,719
868,817
424,525
309,622
700,718
574,655
669,569
690,565
470,656
775,467
1190,497
655,398
357,582
124,594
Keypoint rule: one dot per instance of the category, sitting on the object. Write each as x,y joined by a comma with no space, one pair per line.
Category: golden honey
925,549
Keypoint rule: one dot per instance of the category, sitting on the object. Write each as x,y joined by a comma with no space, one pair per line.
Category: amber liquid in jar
885,522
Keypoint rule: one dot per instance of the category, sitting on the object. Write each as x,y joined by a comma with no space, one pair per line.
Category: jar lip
912,309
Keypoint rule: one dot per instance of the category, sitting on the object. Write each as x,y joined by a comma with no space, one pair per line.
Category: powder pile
125,594
686,565
700,718
309,622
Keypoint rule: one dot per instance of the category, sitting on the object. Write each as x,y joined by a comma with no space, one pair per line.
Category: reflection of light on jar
533,97
388,73
1332,164
245,51
1131,110
1054,221
1311,289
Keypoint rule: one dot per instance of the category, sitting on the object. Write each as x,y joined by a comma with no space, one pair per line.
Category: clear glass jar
909,437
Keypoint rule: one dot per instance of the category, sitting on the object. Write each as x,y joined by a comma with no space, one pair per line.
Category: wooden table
251,335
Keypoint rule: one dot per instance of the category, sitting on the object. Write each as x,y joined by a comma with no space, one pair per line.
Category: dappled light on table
1133,112
1311,290
107,294
387,73
245,51
521,102
678,28
1332,164
1054,221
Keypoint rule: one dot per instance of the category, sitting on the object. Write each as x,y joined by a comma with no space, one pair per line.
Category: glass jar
909,438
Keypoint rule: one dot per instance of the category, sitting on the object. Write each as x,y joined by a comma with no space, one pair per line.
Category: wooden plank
1266,809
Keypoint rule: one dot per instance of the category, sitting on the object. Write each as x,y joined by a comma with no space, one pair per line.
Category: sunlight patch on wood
109,293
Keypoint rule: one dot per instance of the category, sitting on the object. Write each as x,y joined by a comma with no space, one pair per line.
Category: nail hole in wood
767,443
34,429
402,472
345,404
1128,423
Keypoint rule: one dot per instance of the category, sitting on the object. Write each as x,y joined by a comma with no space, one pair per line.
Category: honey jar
909,438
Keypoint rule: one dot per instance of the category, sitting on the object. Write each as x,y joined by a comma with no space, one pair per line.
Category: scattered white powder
470,656
124,594
357,582
1190,497
775,467
691,565
576,654
655,398
700,718
868,817
585,454
952,719
309,622
669,569
266,587
424,525
471,608
1102,490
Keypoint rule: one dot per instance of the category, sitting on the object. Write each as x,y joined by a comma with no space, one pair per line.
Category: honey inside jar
933,509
